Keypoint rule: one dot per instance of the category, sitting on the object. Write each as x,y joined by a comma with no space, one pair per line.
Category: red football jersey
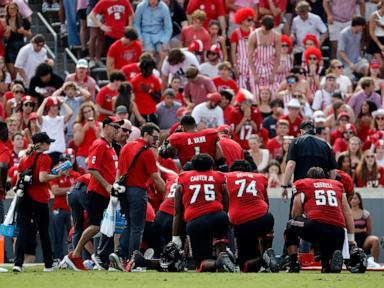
231,149
347,182
102,157
201,193
247,196
322,200
246,130
189,144
168,205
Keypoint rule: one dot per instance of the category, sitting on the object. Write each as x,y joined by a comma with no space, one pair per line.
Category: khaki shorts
92,24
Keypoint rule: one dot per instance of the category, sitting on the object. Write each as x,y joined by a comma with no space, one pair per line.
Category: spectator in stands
264,102
13,105
349,49
179,20
293,117
306,23
339,16
273,173
275,144
379,152
147,90
82,78
364,121
376,32
282,158
196,31
363,228
16,30
312,65
341,143
344,164
24,9
260,156
5,76
197,88
28,106
122,136
239,45
354,152
226,104
54,125
96,38
375,74
126,50
74,96
211,67
276,8
176,63
117,14
44,82
368,173
286,58
86,130
5,164
224,80
236,5
167,109
154,24
29,57
323,96
269,123
343,82
216,39
104,98
214,11
209,114
81,8
368,93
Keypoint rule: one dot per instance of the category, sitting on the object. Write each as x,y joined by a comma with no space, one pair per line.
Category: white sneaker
98,263
3,270
17,269
372,263
88,264
50,269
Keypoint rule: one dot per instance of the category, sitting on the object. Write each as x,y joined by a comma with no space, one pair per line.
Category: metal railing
51,31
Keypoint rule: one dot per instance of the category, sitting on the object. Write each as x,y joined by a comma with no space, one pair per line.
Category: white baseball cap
82,63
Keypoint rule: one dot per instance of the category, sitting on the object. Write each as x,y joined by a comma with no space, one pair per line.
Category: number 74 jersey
322,200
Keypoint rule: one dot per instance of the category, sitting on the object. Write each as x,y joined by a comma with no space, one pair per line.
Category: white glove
177,241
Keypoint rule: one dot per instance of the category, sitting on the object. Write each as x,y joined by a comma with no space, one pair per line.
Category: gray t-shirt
167,115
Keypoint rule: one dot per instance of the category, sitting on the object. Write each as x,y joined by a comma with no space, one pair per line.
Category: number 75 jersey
201,193
247,196
322,200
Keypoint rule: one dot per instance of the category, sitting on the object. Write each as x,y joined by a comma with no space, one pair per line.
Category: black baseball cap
41,137
308,124
112,119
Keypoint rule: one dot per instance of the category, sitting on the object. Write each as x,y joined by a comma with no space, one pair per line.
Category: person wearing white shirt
209,114
211,67
323,96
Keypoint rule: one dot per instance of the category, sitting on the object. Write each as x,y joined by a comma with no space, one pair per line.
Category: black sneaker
270,260
224,263
336,263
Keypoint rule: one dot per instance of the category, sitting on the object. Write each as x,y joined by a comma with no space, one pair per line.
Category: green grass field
33,277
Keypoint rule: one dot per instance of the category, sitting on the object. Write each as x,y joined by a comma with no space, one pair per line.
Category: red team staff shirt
322,200
145,104
102,157
60,201
37,191
125,54
144,166
247,196
201,193
189,144
104,99
116,14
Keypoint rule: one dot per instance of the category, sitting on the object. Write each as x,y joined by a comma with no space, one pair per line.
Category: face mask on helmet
172,258
358,261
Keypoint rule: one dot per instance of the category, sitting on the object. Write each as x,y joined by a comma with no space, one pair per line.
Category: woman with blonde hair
368,173
85,131
343,82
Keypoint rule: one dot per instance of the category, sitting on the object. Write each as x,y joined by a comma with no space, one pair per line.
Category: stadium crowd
204,104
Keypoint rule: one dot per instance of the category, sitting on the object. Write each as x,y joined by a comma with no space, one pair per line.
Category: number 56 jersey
322,200
201,193
247,196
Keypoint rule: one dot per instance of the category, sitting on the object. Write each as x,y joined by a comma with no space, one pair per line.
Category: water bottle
62,167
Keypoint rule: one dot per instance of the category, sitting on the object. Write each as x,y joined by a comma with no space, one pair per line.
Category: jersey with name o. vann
189,144
247,196
168,205
322,200
201,193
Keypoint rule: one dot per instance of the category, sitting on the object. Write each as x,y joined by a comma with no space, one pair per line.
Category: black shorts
164,223
247,237
203,230
360,239
97,205
372,46
82,13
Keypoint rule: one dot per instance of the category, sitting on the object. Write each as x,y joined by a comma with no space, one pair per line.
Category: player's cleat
98,263
270,260
294,267
74,262
224,263
137,260
3,270
17,269
50,269
116,262
284,263
149,253
336,263
88,264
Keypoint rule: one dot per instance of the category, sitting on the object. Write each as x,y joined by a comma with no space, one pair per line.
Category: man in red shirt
196,31
125,51
191,142
201,199
131,70
275,145
248,213
275,8
102,166
5,164
147,90
224,80
117,15
105,95
226,104
214,10
293,117
327,212
245,119
134,200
